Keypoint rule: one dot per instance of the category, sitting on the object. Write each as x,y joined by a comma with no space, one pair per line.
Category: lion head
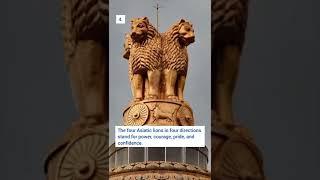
139,28
186,32
127,46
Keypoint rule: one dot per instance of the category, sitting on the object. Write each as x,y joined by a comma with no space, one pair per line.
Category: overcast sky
198,85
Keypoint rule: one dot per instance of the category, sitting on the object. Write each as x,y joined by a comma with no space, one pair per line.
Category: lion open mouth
138,36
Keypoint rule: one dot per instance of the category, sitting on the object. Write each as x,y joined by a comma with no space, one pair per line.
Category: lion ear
182,21
146,19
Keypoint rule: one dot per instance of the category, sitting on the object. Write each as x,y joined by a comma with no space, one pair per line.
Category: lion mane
175,56
145,55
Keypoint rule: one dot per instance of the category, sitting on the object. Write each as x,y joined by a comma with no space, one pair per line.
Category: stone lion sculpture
175,58
126,54
144,58
229,21
127,46
84,25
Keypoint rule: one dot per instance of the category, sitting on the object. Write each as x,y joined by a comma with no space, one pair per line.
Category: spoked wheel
85,158
235,156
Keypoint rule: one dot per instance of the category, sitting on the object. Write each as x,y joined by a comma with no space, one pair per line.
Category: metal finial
157,8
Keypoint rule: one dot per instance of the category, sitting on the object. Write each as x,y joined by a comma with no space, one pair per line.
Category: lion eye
140,25
187,29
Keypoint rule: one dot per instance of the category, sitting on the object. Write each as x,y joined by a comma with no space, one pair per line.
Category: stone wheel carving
85,158
238,159
137,115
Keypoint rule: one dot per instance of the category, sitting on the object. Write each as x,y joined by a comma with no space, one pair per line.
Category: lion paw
137,99
172,97
152,97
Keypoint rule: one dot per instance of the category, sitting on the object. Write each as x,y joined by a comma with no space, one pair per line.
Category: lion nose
133,34
192,39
